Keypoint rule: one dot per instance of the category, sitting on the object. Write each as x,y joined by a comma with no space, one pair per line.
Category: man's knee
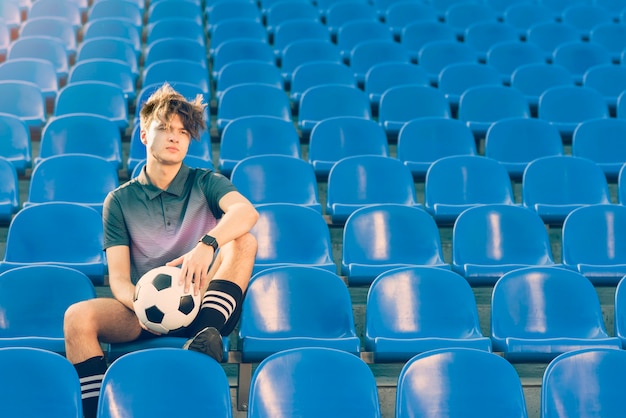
78,316
245,246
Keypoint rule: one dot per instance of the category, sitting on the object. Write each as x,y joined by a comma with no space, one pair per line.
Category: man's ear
142,136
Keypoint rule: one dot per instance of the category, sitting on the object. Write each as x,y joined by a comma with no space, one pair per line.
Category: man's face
167,143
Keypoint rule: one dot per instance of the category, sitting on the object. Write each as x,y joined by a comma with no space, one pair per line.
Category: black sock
91,373
220,308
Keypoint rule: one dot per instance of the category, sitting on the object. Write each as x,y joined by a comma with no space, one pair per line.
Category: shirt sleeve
215,186
115,230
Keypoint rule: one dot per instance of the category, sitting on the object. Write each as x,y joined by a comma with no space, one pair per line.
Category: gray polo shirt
161,225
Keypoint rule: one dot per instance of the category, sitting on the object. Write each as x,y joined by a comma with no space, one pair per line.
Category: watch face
209,240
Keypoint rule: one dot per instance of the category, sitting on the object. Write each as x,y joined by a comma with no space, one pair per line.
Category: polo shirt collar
176,188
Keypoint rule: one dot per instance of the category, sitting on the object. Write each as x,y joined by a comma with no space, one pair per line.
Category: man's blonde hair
166,102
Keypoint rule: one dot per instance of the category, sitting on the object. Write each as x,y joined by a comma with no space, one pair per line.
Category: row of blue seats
454,382
487,240
409,310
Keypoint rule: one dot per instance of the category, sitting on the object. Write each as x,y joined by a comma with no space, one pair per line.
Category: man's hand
194,267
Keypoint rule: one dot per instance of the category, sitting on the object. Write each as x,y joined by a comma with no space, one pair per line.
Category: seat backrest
571,104
619,311
166,9
350,33
295,380
175,47
434,56
38,71
77,230
315,73
117,9
108,70
131,381
457,182
56,394
301,28
585,17
424,140
177,70
343,136
241,48
550,34
57,27
296,310
256,135
610,36
78,178
529,303
593,235
252,99
384,75
306,50
600,140
111,26
417,34
281,12
184,27
420,302
454,79
484,34
577,57
480,106
43,47
461,15
291,223
24,100
276,179
9,190
362,180
236,28
399,14
574,181
490,235
35,297
515,142
66,134
608,79
523,15
535,78
458,382
338,13
567,379
368,53
224,10
328,100
507,56
409,236
15,144
247,71
110,47
77,98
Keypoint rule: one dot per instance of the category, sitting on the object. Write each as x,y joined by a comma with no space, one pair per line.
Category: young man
169,215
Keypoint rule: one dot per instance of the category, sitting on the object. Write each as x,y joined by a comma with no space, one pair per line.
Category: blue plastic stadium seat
454,79
619,311
411,310
481,106
57,392
458,382
484,34
540,312
42,47
601,140
379,238
177,70
56,27
567,106
344,136
119,9
508,56
159,10
567,379
34,300
523,14
578,57
35,70
66,134
306,50
591,242
363,180
78,178
416,35
329,100
11,13
114,27
353,32
78,98
404,103
109,47
311,307
181,27
574,182
384,75
221,11
175,47
612,37
241,48
281,12
399,14
368,53
609,80
585,17
515,142
290,234
26,101
9,191
341,12
106,70
78,246
535,78
434,56
424,140
491,240
548,35
247,71
277,179
131,381
292,382
292,30
456,183
233,29
256,135
460,15
15,144
315,73
252,99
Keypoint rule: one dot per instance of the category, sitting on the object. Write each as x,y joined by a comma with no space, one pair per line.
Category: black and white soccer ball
161,304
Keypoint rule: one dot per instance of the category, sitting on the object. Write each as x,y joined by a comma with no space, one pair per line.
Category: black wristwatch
209,240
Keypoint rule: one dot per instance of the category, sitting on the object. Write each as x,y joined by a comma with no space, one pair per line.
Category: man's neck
161,175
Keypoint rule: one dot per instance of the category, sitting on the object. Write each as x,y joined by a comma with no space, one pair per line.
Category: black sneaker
207,341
